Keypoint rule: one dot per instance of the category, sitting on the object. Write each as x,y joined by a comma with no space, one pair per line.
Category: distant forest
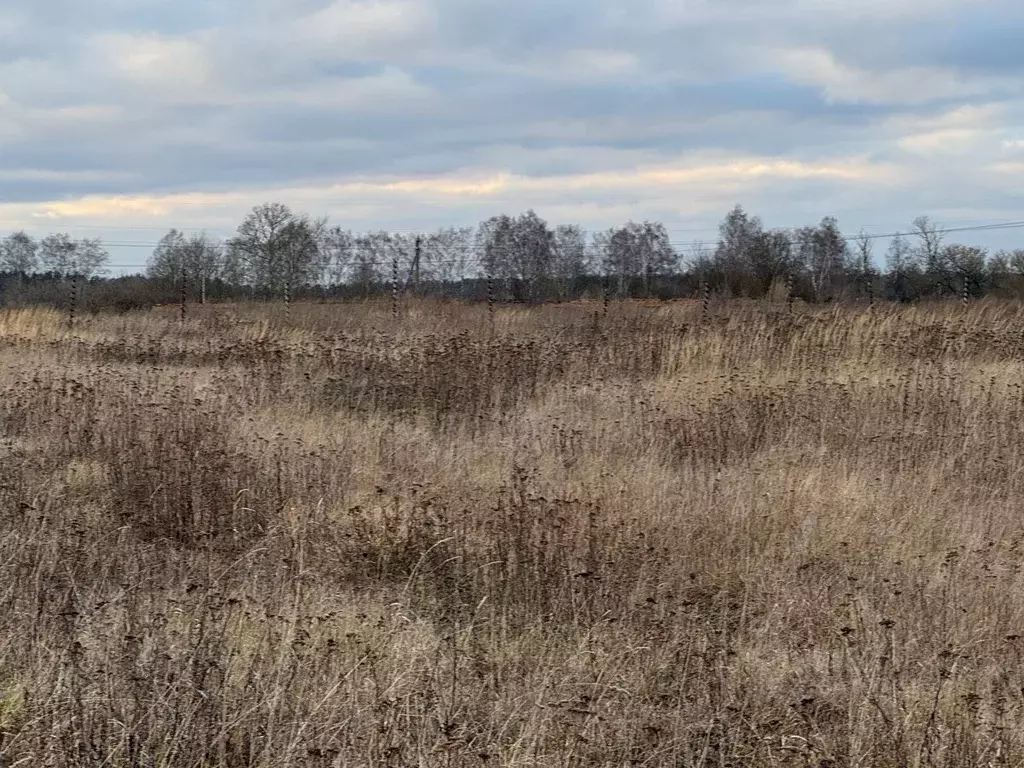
278,254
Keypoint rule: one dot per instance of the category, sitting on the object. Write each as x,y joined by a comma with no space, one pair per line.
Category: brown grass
333,539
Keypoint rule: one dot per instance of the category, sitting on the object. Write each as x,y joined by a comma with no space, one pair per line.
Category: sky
122,118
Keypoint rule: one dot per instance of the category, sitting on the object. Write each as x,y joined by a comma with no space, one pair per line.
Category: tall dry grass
334,539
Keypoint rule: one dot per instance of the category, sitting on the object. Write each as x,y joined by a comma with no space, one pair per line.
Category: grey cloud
478,84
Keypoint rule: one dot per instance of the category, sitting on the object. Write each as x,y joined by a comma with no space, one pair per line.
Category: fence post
607,293
490,298
184,292
73,300
789,292
705,301
416,265
394,287
967,292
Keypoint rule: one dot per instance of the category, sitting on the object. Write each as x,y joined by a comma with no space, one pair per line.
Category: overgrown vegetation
550,536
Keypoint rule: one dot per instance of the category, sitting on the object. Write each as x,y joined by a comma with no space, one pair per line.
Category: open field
337,539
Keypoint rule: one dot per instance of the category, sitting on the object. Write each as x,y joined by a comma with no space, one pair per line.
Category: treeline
280,254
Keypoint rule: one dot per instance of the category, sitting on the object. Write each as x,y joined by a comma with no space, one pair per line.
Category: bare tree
65,256
337,248
204,260
966,263
864,247
495,244
233,270
167,262
371,254
769,258
401,251
999,262
899,261
280,249
259,242
571,260
701,259
520,250
738,234
823,252
638,250
57,254
929,249
19,253
446,254
319,269
301,264
196,257
1016,261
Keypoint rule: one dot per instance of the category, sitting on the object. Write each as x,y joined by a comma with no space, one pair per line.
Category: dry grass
331,539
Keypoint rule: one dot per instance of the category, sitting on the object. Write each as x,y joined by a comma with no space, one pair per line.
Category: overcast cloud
118,116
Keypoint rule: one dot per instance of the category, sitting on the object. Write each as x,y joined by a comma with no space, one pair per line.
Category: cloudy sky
120,118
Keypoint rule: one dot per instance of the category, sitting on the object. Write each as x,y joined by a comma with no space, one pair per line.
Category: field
332,537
